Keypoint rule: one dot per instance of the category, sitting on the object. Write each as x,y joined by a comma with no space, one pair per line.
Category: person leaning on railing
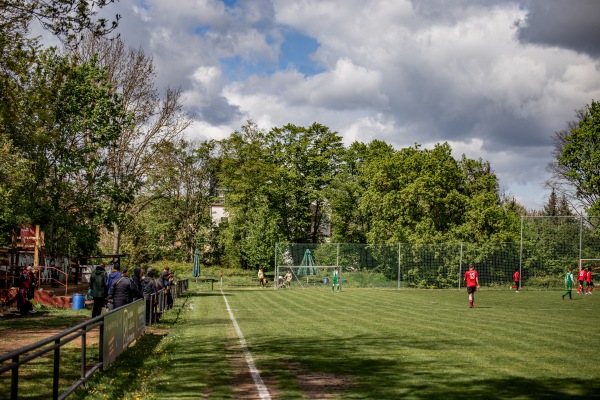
149,291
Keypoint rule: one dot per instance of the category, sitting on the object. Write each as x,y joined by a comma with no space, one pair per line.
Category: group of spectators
26,283
117,288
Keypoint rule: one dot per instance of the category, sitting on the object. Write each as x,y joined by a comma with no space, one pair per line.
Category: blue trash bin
325,281
77,301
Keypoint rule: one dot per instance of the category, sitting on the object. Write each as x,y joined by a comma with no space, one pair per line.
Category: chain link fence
548,246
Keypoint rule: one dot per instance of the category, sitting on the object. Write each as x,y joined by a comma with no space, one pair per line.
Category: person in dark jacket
113,277
164,277
98,288
33,282
149,291
168,283
136,280
122,291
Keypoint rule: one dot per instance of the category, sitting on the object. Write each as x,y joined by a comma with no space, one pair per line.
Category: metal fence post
399,263
14,383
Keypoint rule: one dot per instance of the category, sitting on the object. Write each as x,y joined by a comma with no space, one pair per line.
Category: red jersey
516,276
25,280
471,276
589,277
582,275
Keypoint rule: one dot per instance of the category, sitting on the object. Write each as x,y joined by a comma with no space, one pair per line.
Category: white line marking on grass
263,392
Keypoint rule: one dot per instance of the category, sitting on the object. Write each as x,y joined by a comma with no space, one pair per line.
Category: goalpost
306,276
593,263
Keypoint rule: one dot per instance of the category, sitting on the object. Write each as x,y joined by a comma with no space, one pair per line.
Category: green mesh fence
547,247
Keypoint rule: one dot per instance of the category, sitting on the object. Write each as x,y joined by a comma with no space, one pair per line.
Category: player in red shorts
589,287
581,278
472,283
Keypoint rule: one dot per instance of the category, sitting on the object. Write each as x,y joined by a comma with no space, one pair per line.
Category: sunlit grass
364,344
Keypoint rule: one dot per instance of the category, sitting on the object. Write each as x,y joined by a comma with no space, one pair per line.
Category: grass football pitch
370,344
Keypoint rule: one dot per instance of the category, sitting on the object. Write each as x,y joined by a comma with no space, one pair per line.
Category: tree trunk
316,222
116,238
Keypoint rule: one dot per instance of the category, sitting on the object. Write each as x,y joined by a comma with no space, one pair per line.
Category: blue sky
495,78
294,54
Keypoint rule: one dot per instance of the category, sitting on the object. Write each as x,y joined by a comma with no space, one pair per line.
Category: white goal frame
280,268
597,260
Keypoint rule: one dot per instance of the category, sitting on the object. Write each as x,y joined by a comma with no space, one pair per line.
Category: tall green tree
414,195
576,166
27,107
307,159
14,176
564,208
426,196
172,216
66,19
489,217
71,121
551,207
156,122
279,181
349,221
244,174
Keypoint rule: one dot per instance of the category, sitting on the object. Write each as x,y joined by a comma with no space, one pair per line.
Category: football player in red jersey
472,283
589,287
581,277
516,276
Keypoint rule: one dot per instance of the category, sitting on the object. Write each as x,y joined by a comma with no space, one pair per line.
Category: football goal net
301,276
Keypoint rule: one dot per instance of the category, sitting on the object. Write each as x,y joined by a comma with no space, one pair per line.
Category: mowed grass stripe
197,362
431,333
367,344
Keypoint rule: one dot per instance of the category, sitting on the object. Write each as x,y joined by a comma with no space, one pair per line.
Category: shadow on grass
125,375
376,376
198,373
41,320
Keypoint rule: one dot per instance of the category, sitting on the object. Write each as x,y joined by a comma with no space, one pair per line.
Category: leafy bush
545,282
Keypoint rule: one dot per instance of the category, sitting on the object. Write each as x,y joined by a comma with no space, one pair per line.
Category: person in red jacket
472,283
516,277
581,278
23,303
589,287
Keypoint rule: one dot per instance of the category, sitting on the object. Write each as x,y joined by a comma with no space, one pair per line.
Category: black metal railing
162,300
13,361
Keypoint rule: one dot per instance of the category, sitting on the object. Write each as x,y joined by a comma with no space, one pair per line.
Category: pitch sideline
258,382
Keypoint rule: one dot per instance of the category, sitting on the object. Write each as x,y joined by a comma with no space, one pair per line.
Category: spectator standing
168,284
261,277
164,277
121,291
288,278
98,288
149,291
112,277
20,297
33,282
136,280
